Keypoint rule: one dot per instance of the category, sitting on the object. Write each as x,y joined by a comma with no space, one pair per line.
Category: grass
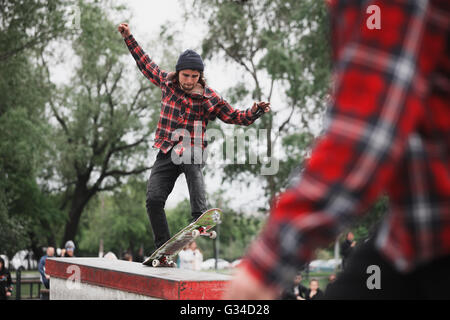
26,287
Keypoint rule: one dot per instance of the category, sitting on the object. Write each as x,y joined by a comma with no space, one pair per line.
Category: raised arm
225,112
149,68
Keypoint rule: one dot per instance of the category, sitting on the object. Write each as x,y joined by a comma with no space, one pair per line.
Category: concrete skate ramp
103,279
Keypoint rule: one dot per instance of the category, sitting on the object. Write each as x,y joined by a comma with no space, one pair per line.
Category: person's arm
373,112
219,107
345,249
41,266
147,66
9,286
288,294
319,295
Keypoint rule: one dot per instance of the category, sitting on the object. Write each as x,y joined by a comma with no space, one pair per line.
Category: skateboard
163,256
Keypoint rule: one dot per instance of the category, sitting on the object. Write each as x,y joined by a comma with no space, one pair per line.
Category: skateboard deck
201,227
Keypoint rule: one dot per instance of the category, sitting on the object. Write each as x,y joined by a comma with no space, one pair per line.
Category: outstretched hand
244,287
124,30
264,106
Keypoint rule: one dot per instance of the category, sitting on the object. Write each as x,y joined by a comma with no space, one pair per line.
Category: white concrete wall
61,289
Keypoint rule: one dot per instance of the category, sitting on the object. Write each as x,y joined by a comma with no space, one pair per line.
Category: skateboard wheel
195,233
156,263
213,235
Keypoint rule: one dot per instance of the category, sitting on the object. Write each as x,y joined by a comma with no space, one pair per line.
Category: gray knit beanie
190,60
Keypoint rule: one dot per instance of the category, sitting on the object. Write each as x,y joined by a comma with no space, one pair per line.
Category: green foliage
235,233
179,217
119,219
102,133
28,25
367,225
296,146
298,48
277,43
26,28
62,147
57,140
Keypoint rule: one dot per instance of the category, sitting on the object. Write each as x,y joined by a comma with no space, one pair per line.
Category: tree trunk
271,184
80,199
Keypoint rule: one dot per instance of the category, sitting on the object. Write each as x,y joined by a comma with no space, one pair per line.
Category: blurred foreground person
388,130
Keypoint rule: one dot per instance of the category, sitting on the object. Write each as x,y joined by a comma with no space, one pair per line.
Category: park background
77,118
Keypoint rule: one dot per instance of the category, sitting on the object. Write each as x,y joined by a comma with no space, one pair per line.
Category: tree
32,24
26,28
235,232
118,218
103,119
278,44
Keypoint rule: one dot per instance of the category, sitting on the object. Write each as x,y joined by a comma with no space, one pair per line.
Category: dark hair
201,79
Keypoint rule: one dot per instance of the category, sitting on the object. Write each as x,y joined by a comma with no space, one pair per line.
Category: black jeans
431,281
160,184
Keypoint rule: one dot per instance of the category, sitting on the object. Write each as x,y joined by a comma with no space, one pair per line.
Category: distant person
110,256
190,257
297,291
45,278
140,256
5,281
197,256
69,250
347,247
331,280
185,257
127,256
314,292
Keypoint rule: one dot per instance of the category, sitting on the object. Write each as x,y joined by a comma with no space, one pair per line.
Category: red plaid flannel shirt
187,112
388,130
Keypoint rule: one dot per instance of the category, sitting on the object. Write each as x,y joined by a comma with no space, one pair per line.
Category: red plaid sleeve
147,66
219,107
380,84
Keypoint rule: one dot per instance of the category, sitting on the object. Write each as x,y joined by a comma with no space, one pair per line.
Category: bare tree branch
51,102
123,173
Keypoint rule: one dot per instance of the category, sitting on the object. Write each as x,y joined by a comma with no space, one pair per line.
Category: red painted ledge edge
140,284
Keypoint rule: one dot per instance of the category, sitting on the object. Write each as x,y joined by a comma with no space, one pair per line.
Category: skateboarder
187,103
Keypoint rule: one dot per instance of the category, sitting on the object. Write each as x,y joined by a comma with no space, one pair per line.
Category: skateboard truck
163,262
202,232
